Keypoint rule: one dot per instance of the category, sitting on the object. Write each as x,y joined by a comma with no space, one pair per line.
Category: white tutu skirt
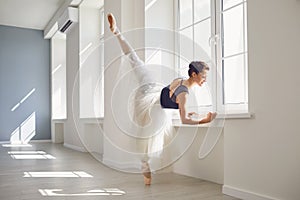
155,130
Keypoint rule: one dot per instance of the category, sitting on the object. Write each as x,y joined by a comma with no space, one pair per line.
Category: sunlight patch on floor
30,155
74,174
16,145
96,192
27,152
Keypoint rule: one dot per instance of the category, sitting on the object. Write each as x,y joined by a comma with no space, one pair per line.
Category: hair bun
197,66
191,65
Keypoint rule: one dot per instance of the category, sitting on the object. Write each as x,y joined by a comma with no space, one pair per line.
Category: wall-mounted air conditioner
67,19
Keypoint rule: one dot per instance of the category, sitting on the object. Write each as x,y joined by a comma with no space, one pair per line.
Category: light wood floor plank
14,186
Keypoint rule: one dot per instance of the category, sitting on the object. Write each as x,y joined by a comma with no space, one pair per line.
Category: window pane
100,83
58,71
185,12
186,44
200,96
201,9
230,3
102,22
202,34
233,24
235,90
183,67
185,50
245,27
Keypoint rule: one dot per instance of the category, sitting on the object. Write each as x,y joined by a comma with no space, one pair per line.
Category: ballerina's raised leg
141,72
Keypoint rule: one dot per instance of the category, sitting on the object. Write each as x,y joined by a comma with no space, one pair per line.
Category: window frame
102,38
216,41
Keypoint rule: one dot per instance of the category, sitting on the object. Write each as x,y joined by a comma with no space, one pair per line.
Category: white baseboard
244,194
4,142
31,141
77,148
39,141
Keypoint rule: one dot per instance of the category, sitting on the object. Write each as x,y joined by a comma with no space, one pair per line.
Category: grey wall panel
24,84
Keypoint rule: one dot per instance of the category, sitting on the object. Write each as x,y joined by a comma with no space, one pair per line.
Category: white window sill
236,115
59,120
92,120
84,120
216,123
177,124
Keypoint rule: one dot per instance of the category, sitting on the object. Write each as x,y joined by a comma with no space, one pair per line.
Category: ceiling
32,14
35,14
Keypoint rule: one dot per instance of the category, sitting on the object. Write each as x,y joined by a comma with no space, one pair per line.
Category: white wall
71,127
79,134
262,154
131,20
116,143
160,38
83,131
159,14
211,167
90,78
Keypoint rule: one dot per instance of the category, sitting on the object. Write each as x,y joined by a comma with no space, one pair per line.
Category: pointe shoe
112,23
146,173
147,180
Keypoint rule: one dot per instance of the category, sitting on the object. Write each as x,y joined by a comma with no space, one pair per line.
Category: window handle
213,40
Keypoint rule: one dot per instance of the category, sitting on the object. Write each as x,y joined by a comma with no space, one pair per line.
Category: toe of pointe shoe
110,18
112,21
147,180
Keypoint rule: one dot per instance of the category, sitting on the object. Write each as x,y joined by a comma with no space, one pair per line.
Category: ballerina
173,96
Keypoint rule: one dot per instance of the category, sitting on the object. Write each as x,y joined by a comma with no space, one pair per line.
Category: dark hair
197,67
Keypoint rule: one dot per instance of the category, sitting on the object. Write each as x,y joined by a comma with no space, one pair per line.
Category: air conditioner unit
67,19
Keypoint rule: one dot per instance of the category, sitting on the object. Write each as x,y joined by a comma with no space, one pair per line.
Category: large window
58,77
218,34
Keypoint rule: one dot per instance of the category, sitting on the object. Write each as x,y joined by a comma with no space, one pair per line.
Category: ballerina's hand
211,116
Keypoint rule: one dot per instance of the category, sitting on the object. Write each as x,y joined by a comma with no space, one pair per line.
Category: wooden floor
24,175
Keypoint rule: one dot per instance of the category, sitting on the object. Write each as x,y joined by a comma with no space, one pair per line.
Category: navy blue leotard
170,102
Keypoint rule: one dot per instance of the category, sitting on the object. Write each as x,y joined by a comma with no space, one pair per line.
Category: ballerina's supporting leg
146,172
